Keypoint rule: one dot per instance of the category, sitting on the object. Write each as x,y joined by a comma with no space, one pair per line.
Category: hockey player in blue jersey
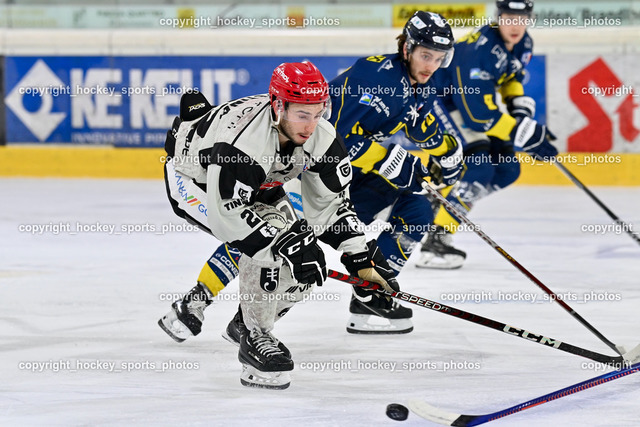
376,98
491,59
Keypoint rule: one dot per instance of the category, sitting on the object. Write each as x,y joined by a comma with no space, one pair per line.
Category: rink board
108,162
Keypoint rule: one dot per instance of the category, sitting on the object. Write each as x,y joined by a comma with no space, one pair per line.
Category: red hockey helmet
299,82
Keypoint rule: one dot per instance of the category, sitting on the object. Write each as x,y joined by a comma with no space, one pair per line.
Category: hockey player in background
491,59
376,98
232,160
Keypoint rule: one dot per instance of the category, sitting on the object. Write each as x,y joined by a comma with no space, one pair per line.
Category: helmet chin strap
278,111
276,122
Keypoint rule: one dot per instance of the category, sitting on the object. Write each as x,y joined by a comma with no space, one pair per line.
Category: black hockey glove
371,266
447,169
533,138
299,248
401,169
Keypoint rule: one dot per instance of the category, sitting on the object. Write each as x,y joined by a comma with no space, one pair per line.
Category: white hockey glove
371,266
521,106
533,138
401,169
447,169
299,248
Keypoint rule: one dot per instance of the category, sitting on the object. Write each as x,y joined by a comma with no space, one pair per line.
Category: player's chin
424,77
301,139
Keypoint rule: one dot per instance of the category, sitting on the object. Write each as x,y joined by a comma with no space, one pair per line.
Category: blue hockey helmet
516,7
432,31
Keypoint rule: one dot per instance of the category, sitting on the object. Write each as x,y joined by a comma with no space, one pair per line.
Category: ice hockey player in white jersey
382,177
225,170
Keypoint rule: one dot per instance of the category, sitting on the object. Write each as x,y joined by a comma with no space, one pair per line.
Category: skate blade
367,324
173,330
446,262
251,377
227,337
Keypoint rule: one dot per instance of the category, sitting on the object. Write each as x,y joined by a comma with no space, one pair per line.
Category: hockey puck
397,412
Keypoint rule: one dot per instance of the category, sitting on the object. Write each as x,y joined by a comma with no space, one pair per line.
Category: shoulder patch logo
386,65
478,74
197,106
344,172
366,99
241,191
377,58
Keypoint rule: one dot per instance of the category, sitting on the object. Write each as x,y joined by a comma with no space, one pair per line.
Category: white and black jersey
233,153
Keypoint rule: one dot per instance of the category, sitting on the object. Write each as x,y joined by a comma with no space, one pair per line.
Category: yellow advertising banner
457,15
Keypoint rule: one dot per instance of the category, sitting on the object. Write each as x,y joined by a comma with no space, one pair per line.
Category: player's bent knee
507,173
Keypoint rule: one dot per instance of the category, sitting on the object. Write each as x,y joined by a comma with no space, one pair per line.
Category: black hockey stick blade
617,361
431,413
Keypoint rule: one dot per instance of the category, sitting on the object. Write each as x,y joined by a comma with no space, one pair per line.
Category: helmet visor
444,61
303,115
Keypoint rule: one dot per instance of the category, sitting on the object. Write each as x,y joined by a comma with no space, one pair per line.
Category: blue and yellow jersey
374,100
482,66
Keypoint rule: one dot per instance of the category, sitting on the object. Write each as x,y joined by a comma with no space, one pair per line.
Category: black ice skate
438,252
366,319
186,315
264,364
236,328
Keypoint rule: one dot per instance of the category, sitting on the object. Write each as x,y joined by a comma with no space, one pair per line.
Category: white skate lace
445,238
196,308
197,304
267,344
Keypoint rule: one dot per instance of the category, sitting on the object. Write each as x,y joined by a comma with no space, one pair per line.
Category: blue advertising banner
125,101
131,101
535,84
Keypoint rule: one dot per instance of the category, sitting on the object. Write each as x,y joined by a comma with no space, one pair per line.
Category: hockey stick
617,361
534,279
626,227
436,415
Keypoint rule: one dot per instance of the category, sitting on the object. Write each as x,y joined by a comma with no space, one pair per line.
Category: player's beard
410,70
283,129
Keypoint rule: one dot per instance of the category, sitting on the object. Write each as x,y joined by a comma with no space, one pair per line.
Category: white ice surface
96,297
